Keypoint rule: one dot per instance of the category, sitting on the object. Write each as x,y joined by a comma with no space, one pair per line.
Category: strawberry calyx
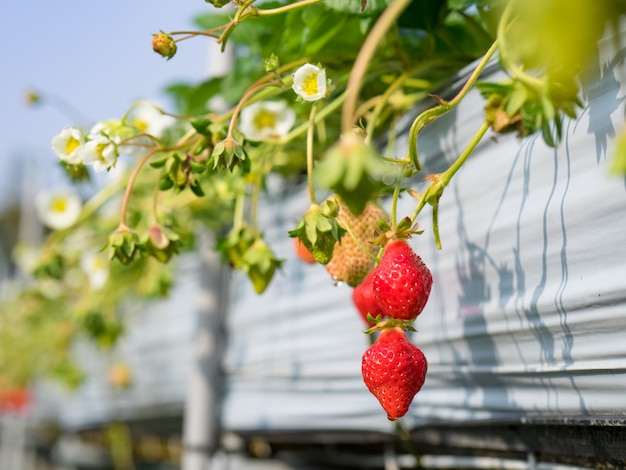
388,324
405,229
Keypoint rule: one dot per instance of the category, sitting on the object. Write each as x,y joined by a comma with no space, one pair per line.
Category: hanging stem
238,211
319,116
355,239
251,91
371,125
384,22
254,203
440,181
182,143
431,114
394,207
257,86
131,182
309,154
286,8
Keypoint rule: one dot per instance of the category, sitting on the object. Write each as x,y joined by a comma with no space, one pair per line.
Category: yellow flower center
309,84
71,145
97,263
141,125
58,204
264,119
99,149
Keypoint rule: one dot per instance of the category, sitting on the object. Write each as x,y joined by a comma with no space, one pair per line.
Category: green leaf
373,7
160,163
516,100
318,234
353,170
201,126
196,188
547,134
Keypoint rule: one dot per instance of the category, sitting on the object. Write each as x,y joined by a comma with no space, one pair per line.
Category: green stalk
441,180
320,116
382,25
431,114
355,239
371,125
309,154
286,8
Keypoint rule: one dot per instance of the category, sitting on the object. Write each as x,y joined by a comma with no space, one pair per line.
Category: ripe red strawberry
402,282
349,263
363,299
302,252
394,370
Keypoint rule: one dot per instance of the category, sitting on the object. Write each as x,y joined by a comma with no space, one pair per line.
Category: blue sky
97,57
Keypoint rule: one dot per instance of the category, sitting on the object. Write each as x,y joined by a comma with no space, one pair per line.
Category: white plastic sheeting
526,316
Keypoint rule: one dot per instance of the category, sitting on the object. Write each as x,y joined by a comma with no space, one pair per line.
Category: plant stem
238,211
208,32
286,8
92,205
441,180
321,115
131,181
394,207
355,239
371,125
309,154
384,22
233,119
257,86
241,10
432,114
254,203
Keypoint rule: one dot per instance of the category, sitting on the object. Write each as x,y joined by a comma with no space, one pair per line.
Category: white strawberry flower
266,119
96,267
26,257
100,152
59,208
146,118
69,145
309,82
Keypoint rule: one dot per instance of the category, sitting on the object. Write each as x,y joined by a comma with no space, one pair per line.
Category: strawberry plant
315,94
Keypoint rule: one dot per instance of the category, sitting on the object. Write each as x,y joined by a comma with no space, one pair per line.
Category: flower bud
164,45
32,97
157,237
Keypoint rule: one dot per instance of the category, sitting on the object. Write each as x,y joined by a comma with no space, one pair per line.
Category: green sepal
160,242
246,251
123,245
218,3
165,183
159,163
388,323
228,153
355,171
260,264
196,188
319,231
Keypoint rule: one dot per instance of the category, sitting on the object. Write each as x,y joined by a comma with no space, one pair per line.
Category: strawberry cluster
388,296
393,368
